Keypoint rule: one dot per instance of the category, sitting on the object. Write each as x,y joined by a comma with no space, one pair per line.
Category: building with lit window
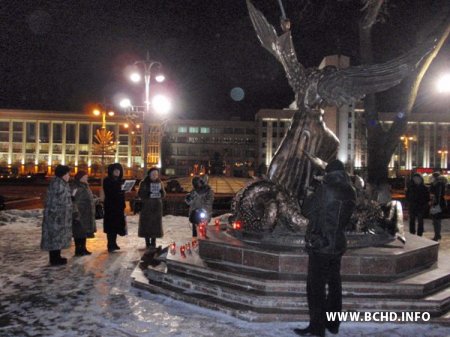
37,141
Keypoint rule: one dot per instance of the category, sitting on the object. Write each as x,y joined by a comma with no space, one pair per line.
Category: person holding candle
151,192
200,199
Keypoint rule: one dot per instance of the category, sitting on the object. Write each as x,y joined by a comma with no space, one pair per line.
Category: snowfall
93,296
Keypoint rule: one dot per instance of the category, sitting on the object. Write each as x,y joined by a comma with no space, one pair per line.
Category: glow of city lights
125,103
135,77
443,84
96,112
161,104
110,113
126,125
160,78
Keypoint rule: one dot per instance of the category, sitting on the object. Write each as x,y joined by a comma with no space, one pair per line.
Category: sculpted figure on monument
270,209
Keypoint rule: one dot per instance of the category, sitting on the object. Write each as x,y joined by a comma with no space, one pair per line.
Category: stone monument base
225,274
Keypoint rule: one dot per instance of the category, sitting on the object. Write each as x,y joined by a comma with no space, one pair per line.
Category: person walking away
201,197
418,197
151,192
438,203
57,222
329,210
83,224
114,220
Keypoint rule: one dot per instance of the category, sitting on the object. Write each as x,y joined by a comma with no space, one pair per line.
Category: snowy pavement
92,295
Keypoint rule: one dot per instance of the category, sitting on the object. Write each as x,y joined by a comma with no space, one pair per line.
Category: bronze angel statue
272,205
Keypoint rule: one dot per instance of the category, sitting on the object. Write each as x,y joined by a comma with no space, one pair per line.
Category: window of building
182,129
123,140
228,130
264,124
204,130
239,131
31,132
4,137
84,133
57,133
193,129
249,131
44,132
70,133
4,126
216,130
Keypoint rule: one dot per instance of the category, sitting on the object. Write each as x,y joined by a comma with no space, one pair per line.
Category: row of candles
187,247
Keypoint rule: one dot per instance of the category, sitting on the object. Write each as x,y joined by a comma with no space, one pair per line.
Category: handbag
435,209
99,212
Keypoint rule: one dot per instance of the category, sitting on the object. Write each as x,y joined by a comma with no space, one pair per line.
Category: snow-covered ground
91,296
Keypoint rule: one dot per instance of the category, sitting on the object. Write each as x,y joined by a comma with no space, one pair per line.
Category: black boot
147,242
78,247
83,247
56,259
112,244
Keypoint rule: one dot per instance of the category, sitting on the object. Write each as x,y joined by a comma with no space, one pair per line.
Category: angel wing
348,85
279,46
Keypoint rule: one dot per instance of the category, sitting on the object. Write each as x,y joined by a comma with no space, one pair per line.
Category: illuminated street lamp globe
135,77
161,104
125,103
443,84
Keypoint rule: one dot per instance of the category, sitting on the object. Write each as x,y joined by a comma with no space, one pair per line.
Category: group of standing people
70,210
420,199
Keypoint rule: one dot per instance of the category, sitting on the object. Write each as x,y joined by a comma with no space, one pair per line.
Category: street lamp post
147,65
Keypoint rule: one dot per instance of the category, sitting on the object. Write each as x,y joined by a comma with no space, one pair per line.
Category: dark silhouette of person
418,197
329,210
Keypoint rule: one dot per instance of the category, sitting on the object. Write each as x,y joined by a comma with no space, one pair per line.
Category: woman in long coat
114,221
151,192
83,225
57,223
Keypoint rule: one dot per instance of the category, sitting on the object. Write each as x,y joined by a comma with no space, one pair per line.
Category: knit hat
61,170
436,174
80,174
335,165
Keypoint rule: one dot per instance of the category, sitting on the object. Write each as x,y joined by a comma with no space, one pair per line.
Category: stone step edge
140,281
435,307
258,285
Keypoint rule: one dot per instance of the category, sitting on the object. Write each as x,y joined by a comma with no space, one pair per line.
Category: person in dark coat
200,198
329,210
151,192
114,220
418,197
57,222
83,224
437,190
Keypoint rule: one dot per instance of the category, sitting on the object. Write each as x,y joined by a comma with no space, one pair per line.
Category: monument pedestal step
222,285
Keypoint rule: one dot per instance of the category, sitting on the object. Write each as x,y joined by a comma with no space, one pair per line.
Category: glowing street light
159,103
443,84
125,103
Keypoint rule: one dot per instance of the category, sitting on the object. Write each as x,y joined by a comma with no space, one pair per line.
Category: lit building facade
189,146
37,141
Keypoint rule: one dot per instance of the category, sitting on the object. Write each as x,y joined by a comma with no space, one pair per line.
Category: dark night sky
61,55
